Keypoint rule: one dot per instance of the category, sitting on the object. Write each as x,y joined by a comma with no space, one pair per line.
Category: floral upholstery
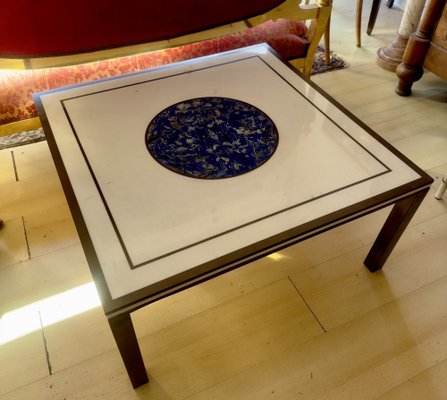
287,37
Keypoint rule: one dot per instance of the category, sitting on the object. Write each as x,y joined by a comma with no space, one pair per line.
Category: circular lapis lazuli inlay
211,137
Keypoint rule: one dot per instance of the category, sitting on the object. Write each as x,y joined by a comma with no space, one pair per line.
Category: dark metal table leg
126,340
392,230
373,16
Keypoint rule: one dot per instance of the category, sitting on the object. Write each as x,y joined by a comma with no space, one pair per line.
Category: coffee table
150,228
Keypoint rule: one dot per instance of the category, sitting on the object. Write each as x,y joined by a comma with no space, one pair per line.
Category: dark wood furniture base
426,48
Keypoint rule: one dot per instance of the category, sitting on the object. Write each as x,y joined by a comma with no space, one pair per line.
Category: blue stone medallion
211,137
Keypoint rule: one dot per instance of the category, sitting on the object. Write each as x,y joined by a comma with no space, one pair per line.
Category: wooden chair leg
327,45
373,16
327,36
358,23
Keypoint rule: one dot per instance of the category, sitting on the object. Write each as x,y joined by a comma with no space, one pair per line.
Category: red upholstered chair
291,38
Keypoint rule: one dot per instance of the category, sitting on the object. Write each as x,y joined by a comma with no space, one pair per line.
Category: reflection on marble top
211,137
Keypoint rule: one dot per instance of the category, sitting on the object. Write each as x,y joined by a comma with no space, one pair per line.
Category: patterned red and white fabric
287,37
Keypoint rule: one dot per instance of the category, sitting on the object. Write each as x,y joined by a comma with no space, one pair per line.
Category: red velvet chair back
30,28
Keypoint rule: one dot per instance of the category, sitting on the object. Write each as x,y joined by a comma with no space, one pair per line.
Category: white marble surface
148,223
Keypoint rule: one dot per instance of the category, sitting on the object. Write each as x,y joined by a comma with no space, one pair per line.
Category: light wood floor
309,322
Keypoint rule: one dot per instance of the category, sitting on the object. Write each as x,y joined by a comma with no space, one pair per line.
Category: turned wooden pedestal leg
126,340
411,68
390,56
392,230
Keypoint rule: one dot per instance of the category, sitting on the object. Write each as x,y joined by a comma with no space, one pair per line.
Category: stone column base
390,56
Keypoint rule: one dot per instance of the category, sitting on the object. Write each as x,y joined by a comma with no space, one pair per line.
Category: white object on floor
442,188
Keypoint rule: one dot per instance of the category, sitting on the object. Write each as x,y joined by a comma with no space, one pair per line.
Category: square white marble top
147,223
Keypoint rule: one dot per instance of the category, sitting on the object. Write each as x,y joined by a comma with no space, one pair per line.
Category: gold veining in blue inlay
211,137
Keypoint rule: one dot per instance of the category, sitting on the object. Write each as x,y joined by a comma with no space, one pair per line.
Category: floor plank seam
14,166
26,238
410,380
307,305
45,344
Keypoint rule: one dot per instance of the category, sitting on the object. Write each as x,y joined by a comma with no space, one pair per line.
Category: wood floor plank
22,359
220,342
431,153
31,195
418,259
13,243
49,230
33,160
430,384
372,382
38,278
351,350
7,174
77,339
102,376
